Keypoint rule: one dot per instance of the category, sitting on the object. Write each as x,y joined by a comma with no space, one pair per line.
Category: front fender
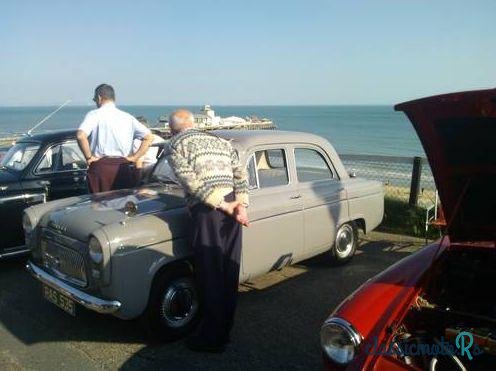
139,248
382,300
371,301
133,273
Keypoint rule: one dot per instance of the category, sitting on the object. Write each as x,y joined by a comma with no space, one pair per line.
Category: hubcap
180,303
344,241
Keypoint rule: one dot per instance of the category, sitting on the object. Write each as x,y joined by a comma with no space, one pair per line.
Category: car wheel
345,243
173,308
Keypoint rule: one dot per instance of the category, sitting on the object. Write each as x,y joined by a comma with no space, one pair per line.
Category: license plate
60,300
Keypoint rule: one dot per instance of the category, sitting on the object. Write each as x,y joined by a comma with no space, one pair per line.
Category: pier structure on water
207,120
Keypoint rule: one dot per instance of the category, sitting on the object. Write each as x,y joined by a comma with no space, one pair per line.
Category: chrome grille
64,262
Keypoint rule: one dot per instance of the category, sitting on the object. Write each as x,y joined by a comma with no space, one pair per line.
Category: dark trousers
110,173
216,241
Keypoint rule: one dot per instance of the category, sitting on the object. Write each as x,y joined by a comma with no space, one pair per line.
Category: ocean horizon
352,129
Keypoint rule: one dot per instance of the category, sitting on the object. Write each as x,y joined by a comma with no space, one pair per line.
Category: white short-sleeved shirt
112,131
150,157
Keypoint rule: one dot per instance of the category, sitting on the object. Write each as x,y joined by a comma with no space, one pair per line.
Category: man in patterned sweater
216,187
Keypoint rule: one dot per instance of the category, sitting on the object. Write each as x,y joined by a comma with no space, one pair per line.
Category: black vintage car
36,169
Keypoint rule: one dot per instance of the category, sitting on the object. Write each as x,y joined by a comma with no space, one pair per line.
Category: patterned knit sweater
207,167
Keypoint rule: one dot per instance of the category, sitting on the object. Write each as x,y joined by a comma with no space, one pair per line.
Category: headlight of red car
339,340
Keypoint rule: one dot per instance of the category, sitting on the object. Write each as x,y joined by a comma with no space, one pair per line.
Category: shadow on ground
276,327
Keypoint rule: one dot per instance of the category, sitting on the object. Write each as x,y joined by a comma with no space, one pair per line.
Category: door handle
295,197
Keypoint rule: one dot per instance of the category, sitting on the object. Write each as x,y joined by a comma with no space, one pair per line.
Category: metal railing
405,178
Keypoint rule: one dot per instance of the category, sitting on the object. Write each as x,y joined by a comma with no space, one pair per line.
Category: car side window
311,166
72,157
50,161
268,168
61,157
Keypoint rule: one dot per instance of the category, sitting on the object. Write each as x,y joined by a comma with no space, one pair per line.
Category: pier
165,133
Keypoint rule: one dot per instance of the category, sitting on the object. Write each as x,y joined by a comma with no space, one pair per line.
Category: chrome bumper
80,297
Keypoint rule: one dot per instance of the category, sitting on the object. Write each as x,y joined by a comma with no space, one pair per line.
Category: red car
435,309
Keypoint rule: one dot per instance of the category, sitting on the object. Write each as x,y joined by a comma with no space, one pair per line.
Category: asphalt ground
277,323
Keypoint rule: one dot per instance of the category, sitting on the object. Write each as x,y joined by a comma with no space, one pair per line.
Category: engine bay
452,324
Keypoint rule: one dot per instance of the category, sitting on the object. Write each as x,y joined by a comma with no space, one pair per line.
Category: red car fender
383,301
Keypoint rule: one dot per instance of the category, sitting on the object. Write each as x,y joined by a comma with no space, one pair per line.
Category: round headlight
339,340
27,225
95,248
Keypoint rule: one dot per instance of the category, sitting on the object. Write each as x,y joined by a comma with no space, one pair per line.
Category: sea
367,130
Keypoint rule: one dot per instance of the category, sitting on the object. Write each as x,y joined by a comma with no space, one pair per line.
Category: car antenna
28,133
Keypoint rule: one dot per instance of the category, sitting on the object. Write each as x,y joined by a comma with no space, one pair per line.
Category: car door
323,197
62,170
12,203
13,198
276,230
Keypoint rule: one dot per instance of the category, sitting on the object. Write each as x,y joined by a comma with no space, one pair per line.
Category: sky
244,52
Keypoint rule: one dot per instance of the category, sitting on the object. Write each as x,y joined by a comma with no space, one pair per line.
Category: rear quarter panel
365,201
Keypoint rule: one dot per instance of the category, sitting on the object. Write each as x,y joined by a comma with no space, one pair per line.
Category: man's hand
145,144
132,159
241,215
92,159
228,207
236,210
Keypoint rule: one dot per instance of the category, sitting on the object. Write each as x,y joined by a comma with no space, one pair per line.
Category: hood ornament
130,208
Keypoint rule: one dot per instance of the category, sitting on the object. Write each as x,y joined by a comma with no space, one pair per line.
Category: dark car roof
49,136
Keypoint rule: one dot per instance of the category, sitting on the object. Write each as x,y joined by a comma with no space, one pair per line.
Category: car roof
49,136
248,138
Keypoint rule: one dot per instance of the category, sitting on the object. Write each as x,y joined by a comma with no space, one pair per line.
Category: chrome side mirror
352,173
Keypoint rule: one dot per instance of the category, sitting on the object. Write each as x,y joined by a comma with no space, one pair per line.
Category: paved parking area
277,323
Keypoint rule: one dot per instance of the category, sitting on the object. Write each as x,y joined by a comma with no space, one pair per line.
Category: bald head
181,120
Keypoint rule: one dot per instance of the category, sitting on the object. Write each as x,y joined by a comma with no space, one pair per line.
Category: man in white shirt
109,150
146,163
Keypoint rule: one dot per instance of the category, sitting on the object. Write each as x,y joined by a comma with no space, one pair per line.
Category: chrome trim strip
25,197
80,297
14,253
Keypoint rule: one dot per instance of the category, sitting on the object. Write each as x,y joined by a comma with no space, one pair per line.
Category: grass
401,218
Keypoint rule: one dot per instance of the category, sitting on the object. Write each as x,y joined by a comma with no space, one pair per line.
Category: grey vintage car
126,252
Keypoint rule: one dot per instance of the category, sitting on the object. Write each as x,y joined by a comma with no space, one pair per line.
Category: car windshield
20,155
163,171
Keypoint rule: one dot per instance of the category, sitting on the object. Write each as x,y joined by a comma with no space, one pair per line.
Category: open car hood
458,133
